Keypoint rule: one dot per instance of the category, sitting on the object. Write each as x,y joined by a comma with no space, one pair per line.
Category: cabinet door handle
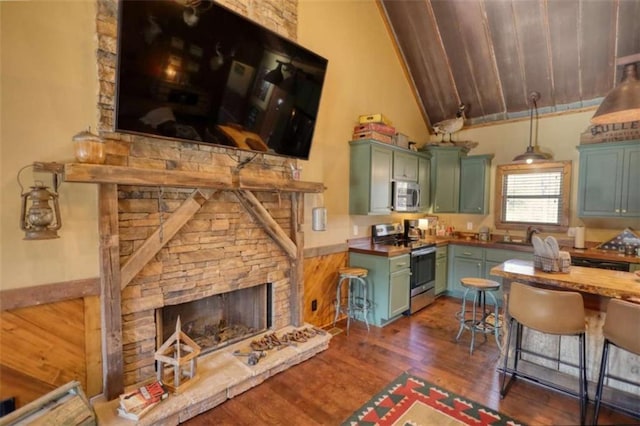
624,210
400,264
466,253
617,210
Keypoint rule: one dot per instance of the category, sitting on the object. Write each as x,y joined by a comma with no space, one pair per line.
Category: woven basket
550,264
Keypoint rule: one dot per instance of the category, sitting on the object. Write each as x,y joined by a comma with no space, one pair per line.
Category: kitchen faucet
530,231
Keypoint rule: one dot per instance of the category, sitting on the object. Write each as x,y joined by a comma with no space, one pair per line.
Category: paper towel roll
578,241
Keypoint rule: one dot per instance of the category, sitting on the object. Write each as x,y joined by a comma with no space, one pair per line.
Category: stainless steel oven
423,277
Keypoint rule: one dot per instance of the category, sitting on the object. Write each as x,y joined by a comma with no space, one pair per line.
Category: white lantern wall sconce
38,219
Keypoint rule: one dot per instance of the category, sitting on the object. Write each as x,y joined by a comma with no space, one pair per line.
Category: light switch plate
469,226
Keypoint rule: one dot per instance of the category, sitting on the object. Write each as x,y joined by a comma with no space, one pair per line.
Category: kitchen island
554,359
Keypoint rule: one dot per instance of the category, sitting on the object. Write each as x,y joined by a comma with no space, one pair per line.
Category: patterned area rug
411,401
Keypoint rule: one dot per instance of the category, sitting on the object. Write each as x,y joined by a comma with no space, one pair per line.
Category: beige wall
48,93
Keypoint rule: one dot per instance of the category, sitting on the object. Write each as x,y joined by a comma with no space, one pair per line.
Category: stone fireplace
220,251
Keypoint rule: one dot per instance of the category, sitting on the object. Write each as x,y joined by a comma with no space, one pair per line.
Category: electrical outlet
571,232
355,229
469,226
314,305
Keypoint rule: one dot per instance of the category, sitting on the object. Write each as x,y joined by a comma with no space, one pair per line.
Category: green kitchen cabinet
405,166
424,178
370,170
464,261
441,271
609,178
389,283
475,178
445,178
634,267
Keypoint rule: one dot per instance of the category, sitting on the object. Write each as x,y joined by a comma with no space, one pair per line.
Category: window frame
536,167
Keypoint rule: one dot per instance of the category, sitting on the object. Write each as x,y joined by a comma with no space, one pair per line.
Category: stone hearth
221,376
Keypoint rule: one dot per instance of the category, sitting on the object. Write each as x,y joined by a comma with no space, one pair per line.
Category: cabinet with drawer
389,281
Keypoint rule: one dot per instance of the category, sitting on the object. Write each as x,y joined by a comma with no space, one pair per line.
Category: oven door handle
423,251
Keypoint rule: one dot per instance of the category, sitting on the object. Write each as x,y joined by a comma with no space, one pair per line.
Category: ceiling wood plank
628,29
597,49
480,59
564,43
416,33
502,29
532,36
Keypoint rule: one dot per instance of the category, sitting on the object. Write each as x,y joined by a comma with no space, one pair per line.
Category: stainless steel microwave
406,196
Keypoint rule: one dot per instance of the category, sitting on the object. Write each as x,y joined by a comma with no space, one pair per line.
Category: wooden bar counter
597,287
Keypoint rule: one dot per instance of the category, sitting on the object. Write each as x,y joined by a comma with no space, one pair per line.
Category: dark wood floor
328,388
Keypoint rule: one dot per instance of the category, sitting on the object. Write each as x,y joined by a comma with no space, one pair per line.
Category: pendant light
531,155
622,104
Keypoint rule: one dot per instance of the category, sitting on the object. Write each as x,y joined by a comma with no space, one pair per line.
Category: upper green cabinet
370,169
474,184
373,166
459,183
424,177
445,178
405,166
609,179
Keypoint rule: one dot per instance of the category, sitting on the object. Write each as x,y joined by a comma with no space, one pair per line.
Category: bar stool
481,288
619,330
357,300
551,312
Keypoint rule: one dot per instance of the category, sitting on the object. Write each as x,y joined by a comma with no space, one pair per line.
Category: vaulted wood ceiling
490,54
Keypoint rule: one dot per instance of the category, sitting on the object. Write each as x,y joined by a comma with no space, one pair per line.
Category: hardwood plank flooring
328,388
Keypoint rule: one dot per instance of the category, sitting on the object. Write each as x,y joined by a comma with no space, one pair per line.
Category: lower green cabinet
389,282
469,261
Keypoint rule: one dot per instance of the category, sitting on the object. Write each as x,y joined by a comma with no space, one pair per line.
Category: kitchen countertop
602,282
364,245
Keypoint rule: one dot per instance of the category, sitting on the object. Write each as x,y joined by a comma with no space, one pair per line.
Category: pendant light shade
531,155
622,104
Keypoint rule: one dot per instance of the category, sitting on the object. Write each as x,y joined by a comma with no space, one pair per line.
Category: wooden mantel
123,175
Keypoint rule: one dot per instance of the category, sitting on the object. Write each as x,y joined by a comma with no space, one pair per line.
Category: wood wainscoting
48,345
320,279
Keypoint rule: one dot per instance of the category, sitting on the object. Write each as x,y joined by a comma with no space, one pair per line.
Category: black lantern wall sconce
38,219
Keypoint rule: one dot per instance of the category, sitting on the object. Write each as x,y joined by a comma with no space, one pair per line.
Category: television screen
206,74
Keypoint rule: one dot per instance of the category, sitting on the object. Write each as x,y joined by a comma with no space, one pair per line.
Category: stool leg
503,387
603,369
583,379
462,313
473,321
365,301
496,324
349,305
338,297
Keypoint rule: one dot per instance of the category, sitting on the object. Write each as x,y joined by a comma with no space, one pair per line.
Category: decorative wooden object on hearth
177,358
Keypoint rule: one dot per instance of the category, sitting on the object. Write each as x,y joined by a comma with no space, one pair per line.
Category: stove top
392,234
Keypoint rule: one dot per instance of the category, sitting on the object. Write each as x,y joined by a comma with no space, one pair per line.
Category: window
533,194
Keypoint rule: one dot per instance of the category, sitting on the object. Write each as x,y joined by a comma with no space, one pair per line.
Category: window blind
533,197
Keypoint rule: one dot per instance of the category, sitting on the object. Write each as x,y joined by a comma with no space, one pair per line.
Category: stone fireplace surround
221,248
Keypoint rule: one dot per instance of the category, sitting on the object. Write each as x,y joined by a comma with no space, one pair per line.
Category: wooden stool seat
355,272
480,283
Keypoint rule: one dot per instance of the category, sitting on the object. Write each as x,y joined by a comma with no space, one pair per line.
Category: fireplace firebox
219,320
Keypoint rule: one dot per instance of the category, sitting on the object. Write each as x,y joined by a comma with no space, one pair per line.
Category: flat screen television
206,74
